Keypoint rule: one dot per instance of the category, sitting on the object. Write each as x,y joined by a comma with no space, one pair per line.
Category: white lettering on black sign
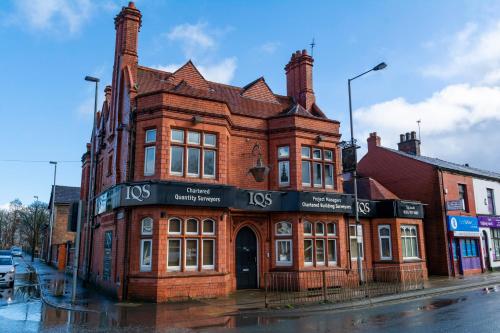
260,199
138,192
364,207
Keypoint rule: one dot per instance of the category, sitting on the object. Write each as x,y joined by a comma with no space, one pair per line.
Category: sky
443,69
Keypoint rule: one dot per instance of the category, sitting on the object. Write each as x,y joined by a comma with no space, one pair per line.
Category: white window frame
177,173
191,267
302,173
320,263
203,227
410,227
320,154
322,226
315,173
276,228
146,219
325,176
313,253
302,152
324,153
283,263
190,174
331,262
334,229
174,268
215,163
180,226
287,167
380,237
203,266
146,268
205,141
146,149
146,135
172,135
287,155
197,226
193,142
312,228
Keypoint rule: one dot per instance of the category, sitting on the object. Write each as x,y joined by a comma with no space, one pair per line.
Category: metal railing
338,285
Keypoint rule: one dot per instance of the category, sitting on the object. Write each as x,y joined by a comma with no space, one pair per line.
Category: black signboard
366,208
349,158
259,200
409,209
108,244
324,202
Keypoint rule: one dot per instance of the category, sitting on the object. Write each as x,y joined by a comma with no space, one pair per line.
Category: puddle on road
441,303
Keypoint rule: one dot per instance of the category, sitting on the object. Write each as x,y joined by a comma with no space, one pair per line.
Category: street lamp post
33,244
380,66
52,212
90,195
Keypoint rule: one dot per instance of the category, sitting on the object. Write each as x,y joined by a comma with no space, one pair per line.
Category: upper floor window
317,167
490,199
149,152
284,165
462,196
193,153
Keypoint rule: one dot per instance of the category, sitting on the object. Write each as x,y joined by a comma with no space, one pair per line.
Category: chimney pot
409,143
413,135
408,136
401,138
373,140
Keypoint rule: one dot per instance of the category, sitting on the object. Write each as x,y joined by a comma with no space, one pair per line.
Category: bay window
384,237
409,241
198,148
149,152
320,247
174,254
317,167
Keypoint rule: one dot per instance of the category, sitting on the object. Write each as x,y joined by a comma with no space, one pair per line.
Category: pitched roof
252,100
369,188
65,194
450,166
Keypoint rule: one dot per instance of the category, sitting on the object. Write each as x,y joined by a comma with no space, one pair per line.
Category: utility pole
52,211
33,244
77,251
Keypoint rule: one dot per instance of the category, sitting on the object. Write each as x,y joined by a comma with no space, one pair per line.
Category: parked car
7,271
16,251
5,253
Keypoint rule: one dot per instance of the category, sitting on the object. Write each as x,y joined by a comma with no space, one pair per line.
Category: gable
191,76
259,90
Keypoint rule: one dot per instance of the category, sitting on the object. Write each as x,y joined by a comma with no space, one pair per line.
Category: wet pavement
21,310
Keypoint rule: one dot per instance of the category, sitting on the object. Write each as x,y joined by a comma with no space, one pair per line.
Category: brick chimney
409,143
299,82
373,141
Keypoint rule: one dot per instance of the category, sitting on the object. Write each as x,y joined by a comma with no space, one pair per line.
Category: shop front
489,228
465,244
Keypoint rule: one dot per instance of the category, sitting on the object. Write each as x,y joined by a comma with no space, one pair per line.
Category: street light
52,212
353,146
33,243
91,177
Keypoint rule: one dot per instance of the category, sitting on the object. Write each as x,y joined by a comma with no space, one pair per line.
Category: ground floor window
284,252
353,237
191,249
495,240
332,251
174,254
384,236
146,254
208,251
308,252
191,254
409,241
469,247
320,246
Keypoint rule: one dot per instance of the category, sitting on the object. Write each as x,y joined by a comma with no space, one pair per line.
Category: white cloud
457,124
269,47
5,206
472,54
56,16
195,38
222,71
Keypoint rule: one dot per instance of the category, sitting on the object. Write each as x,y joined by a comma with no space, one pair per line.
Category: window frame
180,226
203,266
142,266
146,140
177,173
142,226
463,196
495,240
191,174
196,266
146,149
406,237
303,228
203,227
355,236
283,263
319,263
313,162
331,262
283,161
276,233
191,233
309,263
491,193
179,267
380,237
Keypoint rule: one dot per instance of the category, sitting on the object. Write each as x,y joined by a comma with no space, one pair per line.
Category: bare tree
33,217
9,224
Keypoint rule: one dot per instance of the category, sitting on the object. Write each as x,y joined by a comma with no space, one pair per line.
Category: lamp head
53,162
91,79
380,66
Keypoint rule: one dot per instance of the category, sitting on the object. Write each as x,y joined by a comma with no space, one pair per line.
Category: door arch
246,259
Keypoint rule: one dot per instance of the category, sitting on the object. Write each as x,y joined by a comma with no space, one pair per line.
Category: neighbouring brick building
202,188
451,227
62,235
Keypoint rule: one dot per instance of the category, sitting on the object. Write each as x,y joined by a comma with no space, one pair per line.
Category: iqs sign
138,192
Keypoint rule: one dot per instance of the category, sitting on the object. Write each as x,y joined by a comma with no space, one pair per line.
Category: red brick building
201,187
447,192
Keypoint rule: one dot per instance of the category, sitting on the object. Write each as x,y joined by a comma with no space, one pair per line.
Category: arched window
320,229
191,227
208,227
147,226
283,229
307,228
174,226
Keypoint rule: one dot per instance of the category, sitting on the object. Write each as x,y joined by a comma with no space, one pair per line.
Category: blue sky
443,57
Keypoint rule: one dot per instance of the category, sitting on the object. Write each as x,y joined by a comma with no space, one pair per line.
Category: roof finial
313,44
418,123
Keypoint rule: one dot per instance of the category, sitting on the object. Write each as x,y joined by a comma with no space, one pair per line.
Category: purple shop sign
489,221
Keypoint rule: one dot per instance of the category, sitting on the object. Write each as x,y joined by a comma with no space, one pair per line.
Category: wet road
474,311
